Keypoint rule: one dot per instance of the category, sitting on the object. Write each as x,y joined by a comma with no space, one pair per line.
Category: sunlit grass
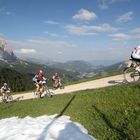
107,113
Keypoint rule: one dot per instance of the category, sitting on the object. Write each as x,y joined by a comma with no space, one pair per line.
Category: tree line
16,81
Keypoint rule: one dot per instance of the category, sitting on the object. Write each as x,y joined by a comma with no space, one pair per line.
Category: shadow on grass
110,125
116,82
44,132
64,109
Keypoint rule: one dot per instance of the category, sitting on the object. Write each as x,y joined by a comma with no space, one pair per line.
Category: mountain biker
38,79
5,90
135,55
56,80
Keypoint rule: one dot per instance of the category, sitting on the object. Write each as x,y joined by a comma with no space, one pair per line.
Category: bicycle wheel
10,98
47,92
37,94
62,86
4,100
131,75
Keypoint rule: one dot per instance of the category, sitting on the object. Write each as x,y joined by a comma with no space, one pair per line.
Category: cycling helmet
56,73
5,84
138,46
40,72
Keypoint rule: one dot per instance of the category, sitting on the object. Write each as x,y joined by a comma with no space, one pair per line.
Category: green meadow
111,113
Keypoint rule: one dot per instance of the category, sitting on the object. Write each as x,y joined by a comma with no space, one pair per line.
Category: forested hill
19,73
17,81
32,68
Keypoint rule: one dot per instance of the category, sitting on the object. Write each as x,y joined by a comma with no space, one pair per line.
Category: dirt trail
104,82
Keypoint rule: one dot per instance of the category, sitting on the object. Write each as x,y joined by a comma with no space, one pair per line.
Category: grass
111,113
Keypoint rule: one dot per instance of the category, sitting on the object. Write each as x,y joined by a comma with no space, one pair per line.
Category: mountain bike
7,98
58,85
131,74
44,92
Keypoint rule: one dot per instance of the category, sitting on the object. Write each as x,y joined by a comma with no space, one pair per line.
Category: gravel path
104,82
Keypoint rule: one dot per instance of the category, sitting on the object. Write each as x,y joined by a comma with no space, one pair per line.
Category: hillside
32,68
87,70
16,81
75,66
69,71
9,60
107,113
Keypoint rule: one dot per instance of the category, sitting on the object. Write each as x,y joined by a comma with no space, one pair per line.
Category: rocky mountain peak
6,52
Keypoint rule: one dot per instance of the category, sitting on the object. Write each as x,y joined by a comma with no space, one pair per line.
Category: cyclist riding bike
56,81
132,70
38,81
5,90
135,55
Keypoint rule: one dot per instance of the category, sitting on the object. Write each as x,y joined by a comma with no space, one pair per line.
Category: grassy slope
107,113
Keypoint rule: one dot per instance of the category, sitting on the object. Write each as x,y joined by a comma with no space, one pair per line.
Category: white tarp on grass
42,128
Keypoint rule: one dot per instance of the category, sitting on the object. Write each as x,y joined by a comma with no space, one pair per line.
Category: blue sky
62,30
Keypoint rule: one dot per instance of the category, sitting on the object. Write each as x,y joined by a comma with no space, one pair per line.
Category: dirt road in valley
99,83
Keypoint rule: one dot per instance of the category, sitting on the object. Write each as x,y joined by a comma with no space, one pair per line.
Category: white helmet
5,84
138,46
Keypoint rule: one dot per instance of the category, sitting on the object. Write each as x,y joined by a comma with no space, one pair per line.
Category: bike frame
46,91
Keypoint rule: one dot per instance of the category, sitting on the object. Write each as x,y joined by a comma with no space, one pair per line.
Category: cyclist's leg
8,93
47,91
37,88
42,89
4,96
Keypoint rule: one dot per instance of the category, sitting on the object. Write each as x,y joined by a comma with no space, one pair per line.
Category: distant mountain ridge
70,70
5,52
75,66
9,60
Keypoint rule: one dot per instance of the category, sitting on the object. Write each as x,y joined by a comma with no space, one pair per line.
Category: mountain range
70,70
5,52
9,60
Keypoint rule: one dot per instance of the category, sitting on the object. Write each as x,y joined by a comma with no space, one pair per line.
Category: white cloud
89,30
103,4
50,44
2,35
2,10
120,36
125,17
136,30
5,12
64,51
80,30
123,36
9,13
25,51
45,49
51,22
136,36
50,34
84,14
60,52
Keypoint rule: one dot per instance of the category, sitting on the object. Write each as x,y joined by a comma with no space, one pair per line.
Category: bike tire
48,92
10,98
131,75
37,94
4,100
62,86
